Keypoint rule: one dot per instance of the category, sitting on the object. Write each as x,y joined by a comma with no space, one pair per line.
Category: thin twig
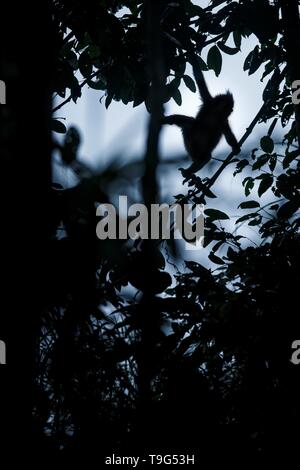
94,74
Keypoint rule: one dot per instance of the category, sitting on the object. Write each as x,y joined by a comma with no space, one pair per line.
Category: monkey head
223,104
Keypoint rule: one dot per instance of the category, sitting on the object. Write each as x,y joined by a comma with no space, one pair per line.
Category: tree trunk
26,65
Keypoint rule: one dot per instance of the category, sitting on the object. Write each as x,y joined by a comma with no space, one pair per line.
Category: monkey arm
178,120
230,138
206,97
199,77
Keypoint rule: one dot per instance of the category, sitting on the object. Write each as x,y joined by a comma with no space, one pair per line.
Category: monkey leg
194,167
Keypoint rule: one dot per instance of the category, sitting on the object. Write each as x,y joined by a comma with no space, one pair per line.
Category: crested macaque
202,133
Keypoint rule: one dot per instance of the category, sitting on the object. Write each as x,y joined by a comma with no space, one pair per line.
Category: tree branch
291,32
94,74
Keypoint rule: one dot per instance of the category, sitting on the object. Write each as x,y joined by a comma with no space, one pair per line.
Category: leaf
58,126
261,161
231,253
249,205
290,156
237,38
248,61
271,91
288,209
214,60
253,61
208,238
228,50
286,114
171,91
71,58
240,166
284,187
273,162
267,144
75,89
245,217
216,3
97,84
249,186
177,97
189,83
126,93
215,259
173,86
272,127
256,221
138,97
85,64
108,100
265,184
253,154
197,268
215,214
178,64
217,246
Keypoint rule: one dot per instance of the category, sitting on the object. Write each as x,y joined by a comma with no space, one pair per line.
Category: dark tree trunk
25,66
150,317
